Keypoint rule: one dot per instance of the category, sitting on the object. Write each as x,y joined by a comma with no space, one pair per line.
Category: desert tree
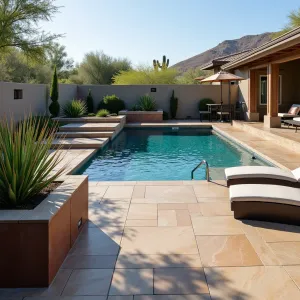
19,26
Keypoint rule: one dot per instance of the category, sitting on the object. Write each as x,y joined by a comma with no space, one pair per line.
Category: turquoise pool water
165,154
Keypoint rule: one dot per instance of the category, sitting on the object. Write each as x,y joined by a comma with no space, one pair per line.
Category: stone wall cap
44,212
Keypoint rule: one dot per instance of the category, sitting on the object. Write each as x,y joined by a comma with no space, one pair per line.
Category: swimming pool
165,154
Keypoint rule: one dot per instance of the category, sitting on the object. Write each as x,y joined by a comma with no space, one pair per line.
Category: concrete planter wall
36,242
142,116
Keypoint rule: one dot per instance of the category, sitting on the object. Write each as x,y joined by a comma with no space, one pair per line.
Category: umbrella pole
221,104
229,101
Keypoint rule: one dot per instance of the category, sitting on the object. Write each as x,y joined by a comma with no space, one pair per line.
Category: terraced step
116,119
88,127
80,143
83,134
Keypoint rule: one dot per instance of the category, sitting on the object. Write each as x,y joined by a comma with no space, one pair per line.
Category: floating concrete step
83,134
116,119
217,173
80,143
88,127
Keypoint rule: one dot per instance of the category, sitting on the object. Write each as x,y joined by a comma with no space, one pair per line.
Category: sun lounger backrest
296,173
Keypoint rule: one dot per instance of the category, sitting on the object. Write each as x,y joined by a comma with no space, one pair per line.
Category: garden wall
35,96
33,99
188,95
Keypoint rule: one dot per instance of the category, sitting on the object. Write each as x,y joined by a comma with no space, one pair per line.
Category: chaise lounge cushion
260,172
296,119
293,112
265,193
296,174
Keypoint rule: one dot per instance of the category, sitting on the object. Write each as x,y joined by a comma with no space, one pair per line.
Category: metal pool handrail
198,166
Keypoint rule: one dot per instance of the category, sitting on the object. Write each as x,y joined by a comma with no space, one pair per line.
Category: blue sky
142,30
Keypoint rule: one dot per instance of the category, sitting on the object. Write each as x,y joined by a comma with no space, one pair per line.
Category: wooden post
253,115
272,119
273,90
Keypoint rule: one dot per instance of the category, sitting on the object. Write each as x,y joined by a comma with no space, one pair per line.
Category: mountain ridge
227,47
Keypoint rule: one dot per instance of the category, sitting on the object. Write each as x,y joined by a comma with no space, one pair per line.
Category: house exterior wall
290,86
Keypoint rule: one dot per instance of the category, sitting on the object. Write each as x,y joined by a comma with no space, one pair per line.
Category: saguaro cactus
163,66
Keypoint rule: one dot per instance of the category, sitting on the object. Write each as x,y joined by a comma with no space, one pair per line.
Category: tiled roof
224,59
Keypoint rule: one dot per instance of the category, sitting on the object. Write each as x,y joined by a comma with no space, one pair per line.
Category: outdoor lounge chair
292,113
273,203
295,123
262,175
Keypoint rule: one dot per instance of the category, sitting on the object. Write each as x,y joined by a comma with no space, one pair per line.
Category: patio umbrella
221,77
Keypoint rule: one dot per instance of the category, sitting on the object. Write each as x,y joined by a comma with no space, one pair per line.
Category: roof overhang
285,41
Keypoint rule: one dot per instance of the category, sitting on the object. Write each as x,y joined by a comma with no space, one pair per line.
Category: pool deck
165,240
173,240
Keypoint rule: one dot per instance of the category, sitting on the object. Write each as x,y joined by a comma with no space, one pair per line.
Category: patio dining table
216,106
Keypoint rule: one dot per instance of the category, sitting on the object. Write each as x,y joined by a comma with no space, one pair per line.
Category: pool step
116,119
80,143
217,173
88,127
83,134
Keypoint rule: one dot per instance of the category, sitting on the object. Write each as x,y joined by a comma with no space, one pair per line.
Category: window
18,94
263,90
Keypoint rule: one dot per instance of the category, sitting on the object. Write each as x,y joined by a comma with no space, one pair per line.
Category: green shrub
203,104
147,103
26,164
90,102
91,115
75,109
165,115
54,107
102,113
112,103
135,107
173,105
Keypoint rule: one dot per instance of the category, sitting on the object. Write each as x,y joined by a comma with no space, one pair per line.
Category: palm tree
294,22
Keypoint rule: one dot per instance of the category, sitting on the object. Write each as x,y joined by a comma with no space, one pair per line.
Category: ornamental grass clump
75,109
147,103
26,164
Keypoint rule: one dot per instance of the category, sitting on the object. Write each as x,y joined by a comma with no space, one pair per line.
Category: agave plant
75,109
147,103
26,164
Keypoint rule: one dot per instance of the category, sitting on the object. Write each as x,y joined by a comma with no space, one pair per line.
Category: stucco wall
67,92
34,99
188,95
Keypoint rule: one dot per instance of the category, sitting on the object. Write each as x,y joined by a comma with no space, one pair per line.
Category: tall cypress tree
54,107
90,102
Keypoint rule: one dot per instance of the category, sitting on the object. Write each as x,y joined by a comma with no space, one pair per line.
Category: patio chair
203,109
271,203
225,112
293,112
295,123
262,175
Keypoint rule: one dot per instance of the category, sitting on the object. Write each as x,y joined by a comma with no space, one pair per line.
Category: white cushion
297,119
259,172
296,173
285,115
265,193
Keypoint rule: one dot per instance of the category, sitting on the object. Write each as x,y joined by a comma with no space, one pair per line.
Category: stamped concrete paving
173,240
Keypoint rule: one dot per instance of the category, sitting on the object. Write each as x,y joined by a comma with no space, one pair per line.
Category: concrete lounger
271,203
262,175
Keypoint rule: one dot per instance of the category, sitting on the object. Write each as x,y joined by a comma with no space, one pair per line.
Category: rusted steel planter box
34,243
142,116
